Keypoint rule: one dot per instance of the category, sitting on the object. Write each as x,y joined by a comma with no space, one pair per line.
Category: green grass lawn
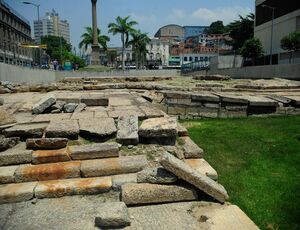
258,162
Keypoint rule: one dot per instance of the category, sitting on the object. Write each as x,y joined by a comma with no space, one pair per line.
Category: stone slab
82,115
157,175
62,128
7,143
205,97
50,156
69,187
94,100
231,98
50,117
261,101
152,112
7,174
143,193
119,180
124,112
12,193
94,151
6,117
54,171
97,127
46,143
192,176
127,131
16,155
181,130
203,167
112,214
43,104
191,149
113,166
26,130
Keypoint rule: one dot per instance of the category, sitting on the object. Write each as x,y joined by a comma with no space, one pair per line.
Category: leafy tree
139,43
216,27
56,46
125,28
87,39
252,49
241,30
291,42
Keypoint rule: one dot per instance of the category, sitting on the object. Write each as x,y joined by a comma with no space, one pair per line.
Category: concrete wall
228,61
287,71
18,74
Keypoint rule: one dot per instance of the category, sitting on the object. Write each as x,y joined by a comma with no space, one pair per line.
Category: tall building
14,31
286,20
52,25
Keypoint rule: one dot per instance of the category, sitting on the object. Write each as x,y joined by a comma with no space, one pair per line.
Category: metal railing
194,66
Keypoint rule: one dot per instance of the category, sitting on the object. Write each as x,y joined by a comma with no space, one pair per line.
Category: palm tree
139,44
87,39
123,27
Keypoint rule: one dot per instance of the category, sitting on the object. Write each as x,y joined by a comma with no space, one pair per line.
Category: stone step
7,174
94,151
16,155
127,133
63,128
50,156
97,127
191,149
203,167
46,143
69,187
113,166
26,130
144,193
94,100
54,171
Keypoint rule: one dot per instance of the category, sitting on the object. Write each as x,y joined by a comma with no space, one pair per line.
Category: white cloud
144,19
225,14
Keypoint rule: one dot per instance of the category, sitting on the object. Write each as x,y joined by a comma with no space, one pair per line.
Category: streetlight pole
39,29
272,28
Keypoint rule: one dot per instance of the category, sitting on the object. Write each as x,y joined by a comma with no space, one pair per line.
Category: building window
191,59
185,59
196,58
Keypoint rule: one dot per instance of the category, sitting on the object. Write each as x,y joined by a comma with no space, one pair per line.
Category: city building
158,52
286,20
51,24
170,33
14,31
191,31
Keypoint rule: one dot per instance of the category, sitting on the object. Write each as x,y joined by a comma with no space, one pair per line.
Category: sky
150,14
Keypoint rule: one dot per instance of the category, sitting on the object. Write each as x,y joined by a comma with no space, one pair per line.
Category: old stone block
94,100
44,172
203,167
113,166
191,149
181,130
63,128
7,143
50,117
43,104
26,130
157,175
7,174
16,155
69,187
112,215
94,151
12,193
119,180
127,133
192,176
6,117
205,97
50,156
158,127
155,193
82,115
46,143
97,127
70,107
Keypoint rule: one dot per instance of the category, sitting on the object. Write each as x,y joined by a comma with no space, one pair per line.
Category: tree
139,43
57,47
125,28
241,30
291,42
252,49
216,27
87,39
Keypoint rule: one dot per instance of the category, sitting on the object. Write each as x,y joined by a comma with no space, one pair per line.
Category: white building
52,25
158,50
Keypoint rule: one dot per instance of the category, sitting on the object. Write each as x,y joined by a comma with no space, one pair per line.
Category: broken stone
80,107
70,187
112,215
155,193
52,171
63,128
119,180
127,133
94,100
190,175
46,143
113,166
26,130
181,130
43,104
7,174
58,106
1,101
50,156
6,117
16,155
12,193
156,176
7,143
203,167
97,127
70,107
191,149
94,151
158,130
